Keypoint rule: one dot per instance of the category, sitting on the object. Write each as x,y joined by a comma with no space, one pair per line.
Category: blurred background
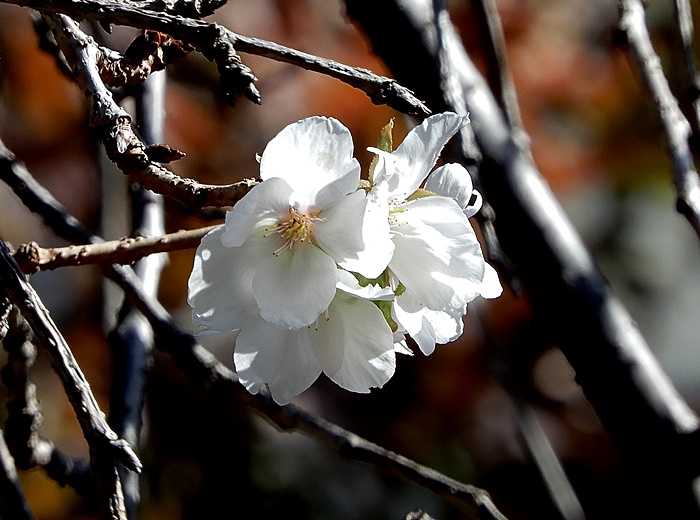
464,410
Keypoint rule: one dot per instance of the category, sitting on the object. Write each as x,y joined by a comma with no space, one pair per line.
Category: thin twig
132,337
690,94
13,505
24,417
31,257
497,69
106,449
220,43
540,450
122,144
202,366
676,126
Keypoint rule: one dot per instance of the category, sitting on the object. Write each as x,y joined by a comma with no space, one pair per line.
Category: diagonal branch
106,449
24,417
32,258
676,126
211,375
12,502
220,44
635,400
690,95
497,69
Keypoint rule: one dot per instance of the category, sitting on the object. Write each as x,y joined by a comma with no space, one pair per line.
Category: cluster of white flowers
316,271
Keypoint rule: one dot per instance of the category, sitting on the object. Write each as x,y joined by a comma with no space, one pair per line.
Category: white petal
437,255
356,244
451,180
354,344
315,156
219,286
411,162
490,285
269,199
282,359
294,288
349,284
473,208
427,327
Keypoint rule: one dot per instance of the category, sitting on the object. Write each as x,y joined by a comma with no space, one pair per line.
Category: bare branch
106,449
202,367
220,45
497,69
634,398
676,126
32,258
690,94
12,502
132,337
24,417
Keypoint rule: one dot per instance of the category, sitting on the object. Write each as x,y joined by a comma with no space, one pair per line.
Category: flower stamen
295,228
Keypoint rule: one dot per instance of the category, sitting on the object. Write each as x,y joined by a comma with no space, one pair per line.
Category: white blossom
304,218
437,267
350,341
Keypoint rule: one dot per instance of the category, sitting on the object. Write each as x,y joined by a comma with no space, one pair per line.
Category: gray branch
676,126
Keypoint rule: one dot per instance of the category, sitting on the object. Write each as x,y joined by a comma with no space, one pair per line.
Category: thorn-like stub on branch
28,256
235,76
162,153
121,452
148,53
401,98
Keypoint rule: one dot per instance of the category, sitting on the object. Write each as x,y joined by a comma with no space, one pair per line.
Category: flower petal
407,167
427,327
282,359
354,344
355,235
315,157
451,180
490,285
437,255
269,199
219,286
294,288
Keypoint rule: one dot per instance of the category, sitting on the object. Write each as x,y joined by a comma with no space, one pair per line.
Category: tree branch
676,126
497,69
31,257
201,366
13,505
690,94
24,417
132,337
633,397
220,44
106,449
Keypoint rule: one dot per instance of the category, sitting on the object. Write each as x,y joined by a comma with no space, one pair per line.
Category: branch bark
676,126
31,257
24,417
13,505
220,44
132,337
634,399
106,449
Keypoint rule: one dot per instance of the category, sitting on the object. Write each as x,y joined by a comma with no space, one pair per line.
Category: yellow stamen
295,228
